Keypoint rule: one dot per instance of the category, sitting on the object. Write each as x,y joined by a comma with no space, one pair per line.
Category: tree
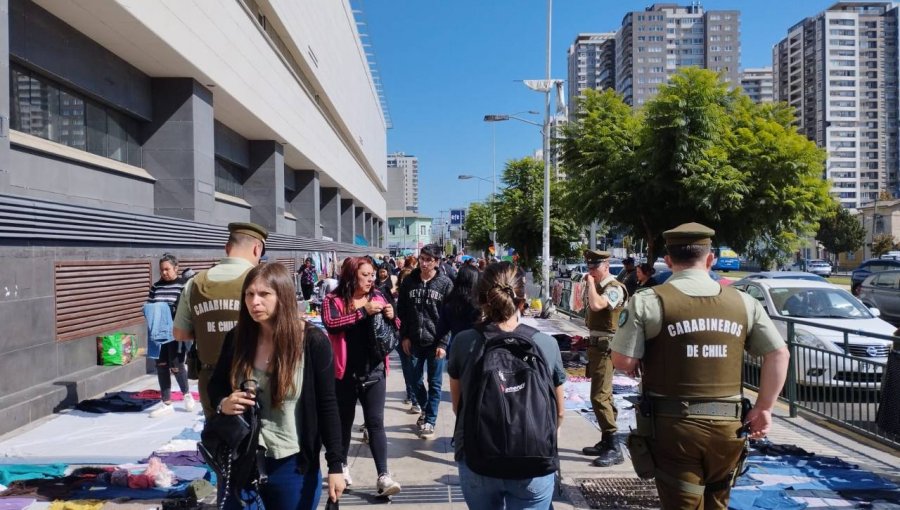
520,213
840,231
881,244
479,225
697,152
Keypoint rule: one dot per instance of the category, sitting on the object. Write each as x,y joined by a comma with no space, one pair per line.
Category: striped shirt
166,292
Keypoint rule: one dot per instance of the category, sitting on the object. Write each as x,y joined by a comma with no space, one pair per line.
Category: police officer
213,300
605,299
688,337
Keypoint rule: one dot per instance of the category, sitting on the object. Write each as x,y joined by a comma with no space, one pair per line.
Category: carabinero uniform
690,334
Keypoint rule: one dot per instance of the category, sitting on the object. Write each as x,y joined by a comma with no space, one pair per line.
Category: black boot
592,450
610,453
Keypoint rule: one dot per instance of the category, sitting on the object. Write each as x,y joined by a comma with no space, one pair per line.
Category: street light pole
545,245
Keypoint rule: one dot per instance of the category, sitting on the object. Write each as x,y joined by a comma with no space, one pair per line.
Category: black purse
383,335
230,446
192,360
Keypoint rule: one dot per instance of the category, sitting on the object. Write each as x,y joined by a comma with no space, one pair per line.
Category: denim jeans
487,493
430,399
406,366
286,488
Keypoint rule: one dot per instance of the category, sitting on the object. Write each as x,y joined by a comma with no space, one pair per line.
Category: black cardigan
317,405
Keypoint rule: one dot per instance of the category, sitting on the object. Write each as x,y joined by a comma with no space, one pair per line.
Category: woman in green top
292,363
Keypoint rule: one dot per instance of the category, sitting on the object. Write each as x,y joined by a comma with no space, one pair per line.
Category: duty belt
599,336
697,409
207,366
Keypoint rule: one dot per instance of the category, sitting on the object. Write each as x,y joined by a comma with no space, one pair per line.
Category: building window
229,178
43,108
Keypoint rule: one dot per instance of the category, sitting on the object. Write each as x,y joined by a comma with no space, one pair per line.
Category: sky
445,64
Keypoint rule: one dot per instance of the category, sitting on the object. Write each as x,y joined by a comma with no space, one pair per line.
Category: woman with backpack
360,376
506,461
290,363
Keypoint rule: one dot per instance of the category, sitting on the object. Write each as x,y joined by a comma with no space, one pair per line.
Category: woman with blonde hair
291,364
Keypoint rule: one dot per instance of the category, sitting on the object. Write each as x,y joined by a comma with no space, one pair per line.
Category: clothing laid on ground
116,402
316,415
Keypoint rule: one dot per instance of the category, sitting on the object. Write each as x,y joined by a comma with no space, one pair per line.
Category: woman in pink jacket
347,313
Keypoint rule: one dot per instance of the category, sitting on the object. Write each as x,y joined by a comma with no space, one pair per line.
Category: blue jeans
430,399
286,489
487,493
406,366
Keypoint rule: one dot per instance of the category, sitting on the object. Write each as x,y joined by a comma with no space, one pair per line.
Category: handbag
384,336
230,444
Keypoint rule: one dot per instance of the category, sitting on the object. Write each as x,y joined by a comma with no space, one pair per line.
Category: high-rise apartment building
403,182
757,84
838,69
652,44
592,64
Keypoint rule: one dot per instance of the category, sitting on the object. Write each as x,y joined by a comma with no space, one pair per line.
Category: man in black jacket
419,303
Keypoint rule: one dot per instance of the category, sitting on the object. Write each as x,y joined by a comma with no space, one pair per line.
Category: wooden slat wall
291,264
99,296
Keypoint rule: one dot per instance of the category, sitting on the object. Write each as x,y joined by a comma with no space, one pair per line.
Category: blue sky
447,63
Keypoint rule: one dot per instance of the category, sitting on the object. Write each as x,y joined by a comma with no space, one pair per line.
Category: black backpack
509,428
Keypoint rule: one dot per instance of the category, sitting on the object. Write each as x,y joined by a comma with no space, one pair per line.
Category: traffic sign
457,216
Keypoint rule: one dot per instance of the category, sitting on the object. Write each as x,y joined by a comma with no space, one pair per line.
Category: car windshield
823,303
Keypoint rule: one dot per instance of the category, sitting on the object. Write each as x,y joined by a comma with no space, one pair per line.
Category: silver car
882,291
822,357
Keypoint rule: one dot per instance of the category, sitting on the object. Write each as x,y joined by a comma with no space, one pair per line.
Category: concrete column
380,233
330,213
179,149
348,225
305,203
264,186
369,230
360,220
4,96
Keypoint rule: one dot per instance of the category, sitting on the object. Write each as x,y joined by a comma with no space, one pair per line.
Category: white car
821,357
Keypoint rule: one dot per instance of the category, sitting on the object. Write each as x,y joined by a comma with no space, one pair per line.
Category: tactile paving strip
630,493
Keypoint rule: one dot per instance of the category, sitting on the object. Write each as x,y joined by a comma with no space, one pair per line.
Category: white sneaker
189,402
347,479
386,486
165,410
427,431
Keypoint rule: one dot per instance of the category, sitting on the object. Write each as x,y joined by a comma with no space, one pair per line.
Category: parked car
882,291
821,358
782,275
615,267
868,267
819,267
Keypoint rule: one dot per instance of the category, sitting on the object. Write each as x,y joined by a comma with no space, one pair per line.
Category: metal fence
844,388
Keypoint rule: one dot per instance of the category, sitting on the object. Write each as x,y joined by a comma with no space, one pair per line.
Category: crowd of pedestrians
256,351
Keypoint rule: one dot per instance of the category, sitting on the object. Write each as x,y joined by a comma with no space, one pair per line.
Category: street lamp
493,182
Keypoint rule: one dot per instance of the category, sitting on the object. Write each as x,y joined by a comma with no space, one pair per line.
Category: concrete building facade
403,182
129,129
652,44
591,65
757,84
407,232
839,70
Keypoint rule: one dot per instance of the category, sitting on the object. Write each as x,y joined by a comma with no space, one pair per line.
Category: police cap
595,256
689,233
250,229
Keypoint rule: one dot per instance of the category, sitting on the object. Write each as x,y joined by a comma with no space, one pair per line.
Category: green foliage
882,244
697,152
840,231
479,224
520,213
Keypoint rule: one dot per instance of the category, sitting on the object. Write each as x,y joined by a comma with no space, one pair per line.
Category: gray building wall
41,176
226,212
42,41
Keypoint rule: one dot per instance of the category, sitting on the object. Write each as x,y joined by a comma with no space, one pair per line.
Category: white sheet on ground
77,437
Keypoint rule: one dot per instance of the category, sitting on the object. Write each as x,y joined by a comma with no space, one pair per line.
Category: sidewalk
430,480
426,469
